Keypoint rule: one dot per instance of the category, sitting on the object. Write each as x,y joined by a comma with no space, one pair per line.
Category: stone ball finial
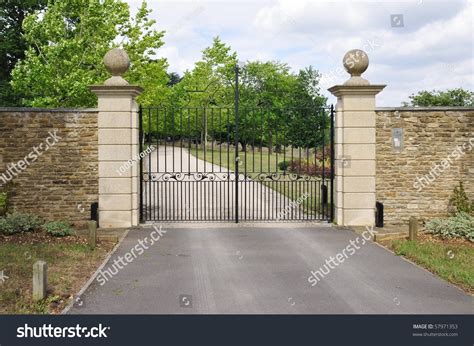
356,61
117,62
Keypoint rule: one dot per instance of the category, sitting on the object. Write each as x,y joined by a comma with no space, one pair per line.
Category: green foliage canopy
276,106
66,45
451,97
12,43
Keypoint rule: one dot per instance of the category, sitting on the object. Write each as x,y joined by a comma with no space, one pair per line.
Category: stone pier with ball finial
354,144
118,135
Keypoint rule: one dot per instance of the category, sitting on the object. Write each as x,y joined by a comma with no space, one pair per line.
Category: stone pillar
355,144
118,143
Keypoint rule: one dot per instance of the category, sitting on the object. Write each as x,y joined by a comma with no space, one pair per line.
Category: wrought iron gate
231,164
206,164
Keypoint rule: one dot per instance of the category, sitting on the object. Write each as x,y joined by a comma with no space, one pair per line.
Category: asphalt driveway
265,269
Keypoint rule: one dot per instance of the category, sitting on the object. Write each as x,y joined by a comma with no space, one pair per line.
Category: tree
265,92
207,85
212,76
174,78
276,106
66,46
308,123
12,44
292,105
450,97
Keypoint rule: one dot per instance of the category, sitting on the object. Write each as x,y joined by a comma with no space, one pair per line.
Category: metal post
236,106
140,138
323,193
332,163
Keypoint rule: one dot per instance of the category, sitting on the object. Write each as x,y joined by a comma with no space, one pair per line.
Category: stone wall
431,139
62,182
59,182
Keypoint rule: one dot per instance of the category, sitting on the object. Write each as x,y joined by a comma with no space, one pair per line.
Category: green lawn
451,260
255,162
251,160
70,264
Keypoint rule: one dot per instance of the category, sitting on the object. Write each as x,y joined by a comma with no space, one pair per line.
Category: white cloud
434,49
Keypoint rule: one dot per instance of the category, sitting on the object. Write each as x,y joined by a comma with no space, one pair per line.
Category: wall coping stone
423,109
48,110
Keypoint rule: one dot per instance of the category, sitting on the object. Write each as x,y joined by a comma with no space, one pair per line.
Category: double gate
231,164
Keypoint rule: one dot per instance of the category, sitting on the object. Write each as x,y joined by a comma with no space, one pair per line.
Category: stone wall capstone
419,180
55,153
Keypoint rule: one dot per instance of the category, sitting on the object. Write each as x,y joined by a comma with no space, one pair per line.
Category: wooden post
413,228
40,280
92,234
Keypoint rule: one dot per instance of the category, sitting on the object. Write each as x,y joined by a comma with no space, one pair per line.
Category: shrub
310,168
323,154
3,203
5,192
19,222
283,165
459,226
58,228
460,201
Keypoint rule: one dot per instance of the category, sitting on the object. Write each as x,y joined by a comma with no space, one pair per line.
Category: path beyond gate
236,164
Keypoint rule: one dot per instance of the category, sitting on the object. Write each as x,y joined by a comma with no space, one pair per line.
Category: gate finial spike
356,62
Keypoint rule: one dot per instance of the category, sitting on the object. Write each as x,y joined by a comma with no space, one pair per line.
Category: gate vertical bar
236,134
140,139
323,190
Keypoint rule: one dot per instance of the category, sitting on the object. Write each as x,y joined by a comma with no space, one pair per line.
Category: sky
412,45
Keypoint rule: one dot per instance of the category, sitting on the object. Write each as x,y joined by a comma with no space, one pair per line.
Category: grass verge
452,260
70,265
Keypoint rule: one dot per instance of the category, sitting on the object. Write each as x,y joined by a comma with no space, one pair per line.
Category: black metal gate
231,164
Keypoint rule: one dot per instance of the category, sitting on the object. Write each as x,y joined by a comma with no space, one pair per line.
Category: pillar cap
341,90
116,90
